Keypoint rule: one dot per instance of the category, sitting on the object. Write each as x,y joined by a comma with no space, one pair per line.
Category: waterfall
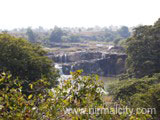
62,76
103,55
109,47
71,68
65,58
60,57
59,67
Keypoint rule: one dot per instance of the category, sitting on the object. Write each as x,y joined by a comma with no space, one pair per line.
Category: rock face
103,64
76,57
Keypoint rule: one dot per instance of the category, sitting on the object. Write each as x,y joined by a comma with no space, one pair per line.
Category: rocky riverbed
104,63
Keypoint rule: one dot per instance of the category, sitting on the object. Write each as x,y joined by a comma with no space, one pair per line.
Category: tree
56,35
144,51
31,35
73,38
116,41
25,60
124,32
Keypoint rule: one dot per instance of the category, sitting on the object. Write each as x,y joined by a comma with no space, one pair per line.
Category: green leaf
31,86
30,96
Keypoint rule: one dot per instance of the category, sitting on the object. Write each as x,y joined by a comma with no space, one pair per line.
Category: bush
76,92
49,104
138,93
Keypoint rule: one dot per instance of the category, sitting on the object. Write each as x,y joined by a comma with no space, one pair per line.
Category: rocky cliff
101,63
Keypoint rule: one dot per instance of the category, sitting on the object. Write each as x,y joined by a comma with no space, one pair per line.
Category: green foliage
72,38
56,35
76,92
31,35
72,35
116,41
15,104
140,85
138,93
124,32
126,88
49,104
144,51
24,60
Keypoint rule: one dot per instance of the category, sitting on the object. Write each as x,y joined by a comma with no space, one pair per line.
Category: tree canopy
56,35
144,51
31,35
25,60
124,32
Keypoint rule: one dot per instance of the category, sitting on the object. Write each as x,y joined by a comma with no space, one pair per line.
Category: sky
77,13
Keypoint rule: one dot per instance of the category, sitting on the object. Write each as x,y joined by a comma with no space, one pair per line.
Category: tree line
74,35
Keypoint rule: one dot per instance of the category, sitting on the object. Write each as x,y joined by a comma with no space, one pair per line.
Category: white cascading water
71,67
109,47
62,76
65,58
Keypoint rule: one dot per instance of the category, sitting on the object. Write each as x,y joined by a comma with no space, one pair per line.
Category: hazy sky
77,13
